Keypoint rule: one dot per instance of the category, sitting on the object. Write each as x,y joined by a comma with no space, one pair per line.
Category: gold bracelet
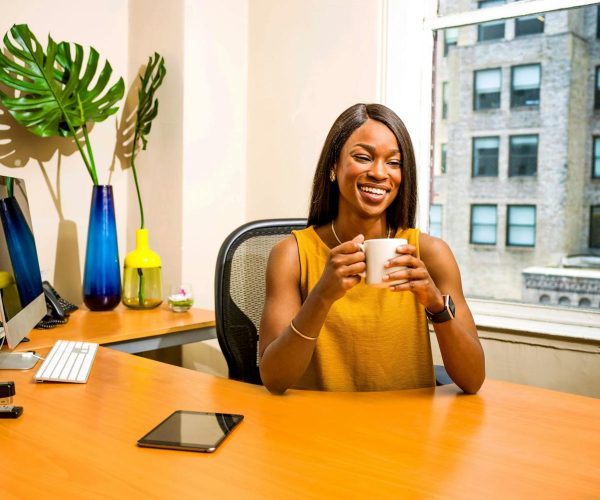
295,330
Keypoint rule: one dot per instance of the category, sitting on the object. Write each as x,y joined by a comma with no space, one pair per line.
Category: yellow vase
142,275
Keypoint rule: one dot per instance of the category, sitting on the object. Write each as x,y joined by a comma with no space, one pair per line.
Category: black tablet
192,431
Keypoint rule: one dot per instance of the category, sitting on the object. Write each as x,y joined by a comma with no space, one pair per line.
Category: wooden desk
129,330
509,441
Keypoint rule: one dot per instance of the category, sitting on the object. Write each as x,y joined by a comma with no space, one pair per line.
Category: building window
597,89
529,25
523,155
585,302
520,230
450,39
487,84
444,148
595,226
435,220
483,224
525,85
492,30
598,22
596,159
445,100
485,156
545,299
564,301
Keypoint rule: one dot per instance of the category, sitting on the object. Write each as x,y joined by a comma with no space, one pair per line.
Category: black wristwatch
445,314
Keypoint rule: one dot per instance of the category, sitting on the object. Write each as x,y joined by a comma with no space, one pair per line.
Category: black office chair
240,291
240,294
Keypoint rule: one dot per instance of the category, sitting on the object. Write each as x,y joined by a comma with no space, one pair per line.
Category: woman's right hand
342,271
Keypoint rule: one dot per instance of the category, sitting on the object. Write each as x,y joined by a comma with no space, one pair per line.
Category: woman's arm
285,354
434,275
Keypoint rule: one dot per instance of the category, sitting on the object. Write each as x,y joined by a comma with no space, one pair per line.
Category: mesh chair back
240,291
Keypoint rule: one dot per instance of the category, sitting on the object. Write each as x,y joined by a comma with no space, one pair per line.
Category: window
598,22
487,84
597,89
596,159
525,85
492,30
445,100
529,25
450,39
483,224
435,220
523,155
500,156
595,226
485,156
444,149
520,230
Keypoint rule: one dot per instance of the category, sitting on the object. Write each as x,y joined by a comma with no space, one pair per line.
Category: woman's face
368,170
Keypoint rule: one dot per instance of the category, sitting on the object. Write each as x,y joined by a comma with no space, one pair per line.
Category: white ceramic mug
378,252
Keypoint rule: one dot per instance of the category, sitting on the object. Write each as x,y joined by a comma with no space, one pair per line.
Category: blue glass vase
102,274
21,249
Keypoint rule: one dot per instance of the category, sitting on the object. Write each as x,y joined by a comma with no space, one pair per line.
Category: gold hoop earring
332,175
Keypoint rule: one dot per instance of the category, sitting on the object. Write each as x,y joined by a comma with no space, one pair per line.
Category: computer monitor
22,303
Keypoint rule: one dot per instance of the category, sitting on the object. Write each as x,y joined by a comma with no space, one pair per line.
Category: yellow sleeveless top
372,339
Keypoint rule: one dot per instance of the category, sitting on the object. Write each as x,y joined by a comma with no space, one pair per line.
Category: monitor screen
22,303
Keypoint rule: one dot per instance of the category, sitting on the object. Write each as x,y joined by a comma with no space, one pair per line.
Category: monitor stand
18,360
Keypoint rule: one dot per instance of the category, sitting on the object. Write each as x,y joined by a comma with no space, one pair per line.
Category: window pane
445,100
523,155
521,226
525,85
444,153
487,88
483,224
450,39
529,25
539,153
485,156
595,227
435,220
597,89
596,159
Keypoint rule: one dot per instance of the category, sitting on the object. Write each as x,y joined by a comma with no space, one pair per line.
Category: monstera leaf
147,104
146,112
54,91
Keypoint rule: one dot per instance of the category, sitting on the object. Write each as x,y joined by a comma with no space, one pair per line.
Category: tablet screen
191,430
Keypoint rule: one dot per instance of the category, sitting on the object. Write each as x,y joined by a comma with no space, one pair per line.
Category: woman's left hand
419,281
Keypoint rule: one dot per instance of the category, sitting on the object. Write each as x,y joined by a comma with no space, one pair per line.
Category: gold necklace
389,232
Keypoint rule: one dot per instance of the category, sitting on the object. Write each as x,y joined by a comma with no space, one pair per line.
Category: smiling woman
322,326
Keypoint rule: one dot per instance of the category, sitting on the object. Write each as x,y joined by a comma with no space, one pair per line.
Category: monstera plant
53,90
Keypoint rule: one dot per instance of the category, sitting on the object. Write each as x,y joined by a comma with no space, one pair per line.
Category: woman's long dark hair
325,194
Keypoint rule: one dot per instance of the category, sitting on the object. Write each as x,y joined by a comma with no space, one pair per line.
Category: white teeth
372,190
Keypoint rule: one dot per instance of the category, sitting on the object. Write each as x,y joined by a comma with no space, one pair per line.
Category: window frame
425,23
590,227
512,87
478,243
597,88
595,171
476,93
523,19
509,225
511,154
473,155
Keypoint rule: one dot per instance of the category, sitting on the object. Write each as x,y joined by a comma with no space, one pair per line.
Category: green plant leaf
53,94
147,104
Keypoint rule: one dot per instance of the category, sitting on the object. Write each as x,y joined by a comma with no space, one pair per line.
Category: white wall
59,186
308,61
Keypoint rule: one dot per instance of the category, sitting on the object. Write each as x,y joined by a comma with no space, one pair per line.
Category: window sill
567,324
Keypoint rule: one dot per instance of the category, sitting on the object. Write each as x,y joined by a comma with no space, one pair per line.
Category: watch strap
445,314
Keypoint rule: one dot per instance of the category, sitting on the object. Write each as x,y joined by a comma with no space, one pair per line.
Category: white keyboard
68,361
